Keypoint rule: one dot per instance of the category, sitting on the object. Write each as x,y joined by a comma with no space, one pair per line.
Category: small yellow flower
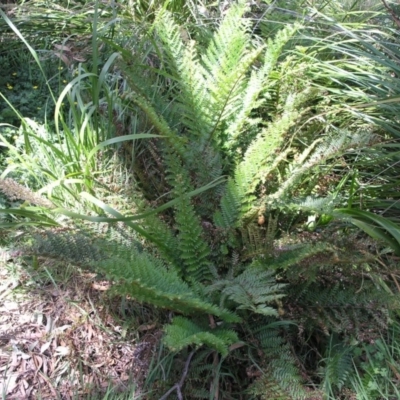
15,137
35,87
38,108
75,103
64,81
60,68
9,87
14,74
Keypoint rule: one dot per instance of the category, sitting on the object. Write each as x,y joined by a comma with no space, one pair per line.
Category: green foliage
278,141
251,290
183,332
379,361
23,85
342,308
137,274
339,365
193,250
280,378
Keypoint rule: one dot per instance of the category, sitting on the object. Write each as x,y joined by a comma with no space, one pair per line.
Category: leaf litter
65,341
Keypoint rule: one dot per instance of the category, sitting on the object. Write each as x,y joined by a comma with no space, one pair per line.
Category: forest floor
62,336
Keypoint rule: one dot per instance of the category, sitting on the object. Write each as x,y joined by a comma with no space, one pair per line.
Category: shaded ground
63,337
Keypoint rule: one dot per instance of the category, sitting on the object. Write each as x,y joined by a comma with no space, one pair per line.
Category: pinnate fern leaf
183,332
253,290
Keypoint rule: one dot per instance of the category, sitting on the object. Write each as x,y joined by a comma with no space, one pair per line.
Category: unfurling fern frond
257,240
183,332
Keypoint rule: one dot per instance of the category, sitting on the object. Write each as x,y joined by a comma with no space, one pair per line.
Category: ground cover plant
228,172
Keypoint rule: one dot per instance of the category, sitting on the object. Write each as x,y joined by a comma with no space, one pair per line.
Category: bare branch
178,385
392,13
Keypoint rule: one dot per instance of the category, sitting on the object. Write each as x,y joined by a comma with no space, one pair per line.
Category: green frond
205,165
173,47
252,290
260,156
146,279
160,124
183,332
319,205
258,240
134,272
281,378
189,75
258,82
74,246
227,61
193,249
341,308
332,146
159,231
227,216
290,256
338,365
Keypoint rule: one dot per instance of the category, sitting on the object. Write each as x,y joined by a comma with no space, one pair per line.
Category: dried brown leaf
44,347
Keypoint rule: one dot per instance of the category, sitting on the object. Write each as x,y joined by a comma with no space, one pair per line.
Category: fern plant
229,113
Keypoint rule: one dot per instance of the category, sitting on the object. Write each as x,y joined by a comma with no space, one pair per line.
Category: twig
214,383
178,385
392,13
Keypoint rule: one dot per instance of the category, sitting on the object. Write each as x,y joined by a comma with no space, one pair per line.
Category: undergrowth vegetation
235,166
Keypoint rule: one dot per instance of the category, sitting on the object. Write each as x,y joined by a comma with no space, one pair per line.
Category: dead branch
178,385
392,13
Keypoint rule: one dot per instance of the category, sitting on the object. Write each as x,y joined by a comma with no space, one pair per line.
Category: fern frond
281,378
160,124
227,61
261,154
205,166
319,205
159,231
227,216
183,332
189,76
136,273
193,250
341,308
258,241
173,47
252,290
258,82
338,365
333,146
146,279
290,256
